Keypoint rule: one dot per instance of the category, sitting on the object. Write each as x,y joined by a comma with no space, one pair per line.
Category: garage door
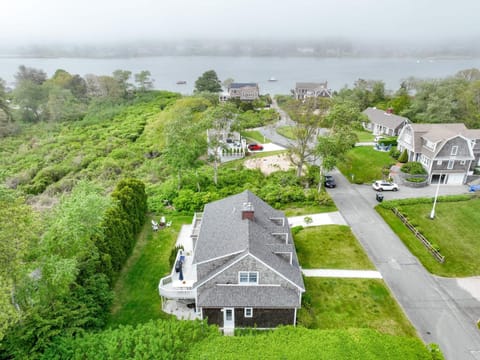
455,179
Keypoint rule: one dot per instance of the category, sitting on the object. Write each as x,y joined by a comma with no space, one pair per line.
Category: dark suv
330,182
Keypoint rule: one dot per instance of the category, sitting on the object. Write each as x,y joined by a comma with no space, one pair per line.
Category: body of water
167,70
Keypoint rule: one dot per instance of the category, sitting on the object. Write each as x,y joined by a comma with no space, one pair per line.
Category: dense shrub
413,168
388,141
394,153
404,157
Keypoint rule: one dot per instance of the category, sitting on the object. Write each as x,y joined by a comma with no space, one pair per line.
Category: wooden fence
436,254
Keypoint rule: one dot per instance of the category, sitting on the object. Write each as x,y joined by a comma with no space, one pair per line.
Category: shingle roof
248,296
311,85
240,85
378,116
223,232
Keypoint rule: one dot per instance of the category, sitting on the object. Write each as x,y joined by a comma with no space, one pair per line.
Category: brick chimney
247,211
390,110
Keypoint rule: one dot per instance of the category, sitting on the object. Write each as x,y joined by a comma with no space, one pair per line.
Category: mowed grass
352,303
454,230
136,298
254,135
365,164
330,247
365,136
300,209
286,131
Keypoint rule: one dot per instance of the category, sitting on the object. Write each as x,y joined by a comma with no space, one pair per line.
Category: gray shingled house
243,270
305,90
449,152
383,122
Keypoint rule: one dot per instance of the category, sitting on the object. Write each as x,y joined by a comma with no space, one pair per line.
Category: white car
381,185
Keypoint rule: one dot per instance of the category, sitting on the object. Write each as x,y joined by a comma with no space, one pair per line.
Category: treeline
450,100
60,283
64,96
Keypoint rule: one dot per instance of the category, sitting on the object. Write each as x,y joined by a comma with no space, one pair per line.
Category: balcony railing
175,290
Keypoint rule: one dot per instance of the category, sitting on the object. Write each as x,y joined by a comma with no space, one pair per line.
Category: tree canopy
208,82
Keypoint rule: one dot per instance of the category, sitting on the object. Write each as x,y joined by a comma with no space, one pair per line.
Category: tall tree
308,117
208,82
17,237
4,105
122,77
29,93
36,76
219,121
342,120
144,80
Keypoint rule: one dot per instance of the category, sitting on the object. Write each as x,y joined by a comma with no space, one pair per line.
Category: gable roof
223,232
241,85
378,116
311,85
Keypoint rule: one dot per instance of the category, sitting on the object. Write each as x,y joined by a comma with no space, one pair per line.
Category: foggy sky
24,22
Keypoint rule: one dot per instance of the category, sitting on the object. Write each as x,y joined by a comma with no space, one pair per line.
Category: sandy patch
269,164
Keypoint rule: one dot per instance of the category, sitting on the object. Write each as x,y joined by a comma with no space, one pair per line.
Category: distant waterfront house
242,91
305,90
449,152
243,269
383,122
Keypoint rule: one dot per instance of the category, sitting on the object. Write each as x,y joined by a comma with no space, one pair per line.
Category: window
439,162
462,162
248,312
248,277
450,164
454,150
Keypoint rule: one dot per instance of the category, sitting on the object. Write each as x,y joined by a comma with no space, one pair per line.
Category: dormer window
248,277
429,145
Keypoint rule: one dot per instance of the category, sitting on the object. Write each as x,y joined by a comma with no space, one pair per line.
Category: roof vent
247,211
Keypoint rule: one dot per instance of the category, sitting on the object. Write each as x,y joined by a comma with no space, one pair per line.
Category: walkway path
358,274
441,313
330,218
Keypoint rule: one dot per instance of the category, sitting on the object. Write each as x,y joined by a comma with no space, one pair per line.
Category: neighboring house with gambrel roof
383,122
305,90
449,152
244,270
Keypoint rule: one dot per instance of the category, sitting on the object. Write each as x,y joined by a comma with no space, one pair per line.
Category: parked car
329,181
383,185
255,147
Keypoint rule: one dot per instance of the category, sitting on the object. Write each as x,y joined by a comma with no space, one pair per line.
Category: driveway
441,310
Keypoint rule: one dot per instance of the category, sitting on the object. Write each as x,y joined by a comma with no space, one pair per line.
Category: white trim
454,150
272,219
248,273
450,164
220,271
439,162
276,271
275,234
219,257
225,317
245,312
462,162
260,285
295,317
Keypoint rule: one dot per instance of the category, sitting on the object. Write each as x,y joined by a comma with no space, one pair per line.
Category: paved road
441,311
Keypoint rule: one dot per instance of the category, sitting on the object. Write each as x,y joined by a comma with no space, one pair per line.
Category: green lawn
330,247
299,209
365,164
286,131
352,303
254,135
454,229
365,136
136,291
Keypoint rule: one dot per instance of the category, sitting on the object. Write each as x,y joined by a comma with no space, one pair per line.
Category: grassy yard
365,164
136,292
286,131
330,247
300,209
254,135
352,303
365,136
454,230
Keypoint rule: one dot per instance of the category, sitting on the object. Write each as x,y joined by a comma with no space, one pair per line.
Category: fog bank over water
151,27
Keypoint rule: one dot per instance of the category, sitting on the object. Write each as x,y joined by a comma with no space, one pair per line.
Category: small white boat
272,79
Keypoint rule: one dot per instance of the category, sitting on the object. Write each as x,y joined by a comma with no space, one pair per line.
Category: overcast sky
83,21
